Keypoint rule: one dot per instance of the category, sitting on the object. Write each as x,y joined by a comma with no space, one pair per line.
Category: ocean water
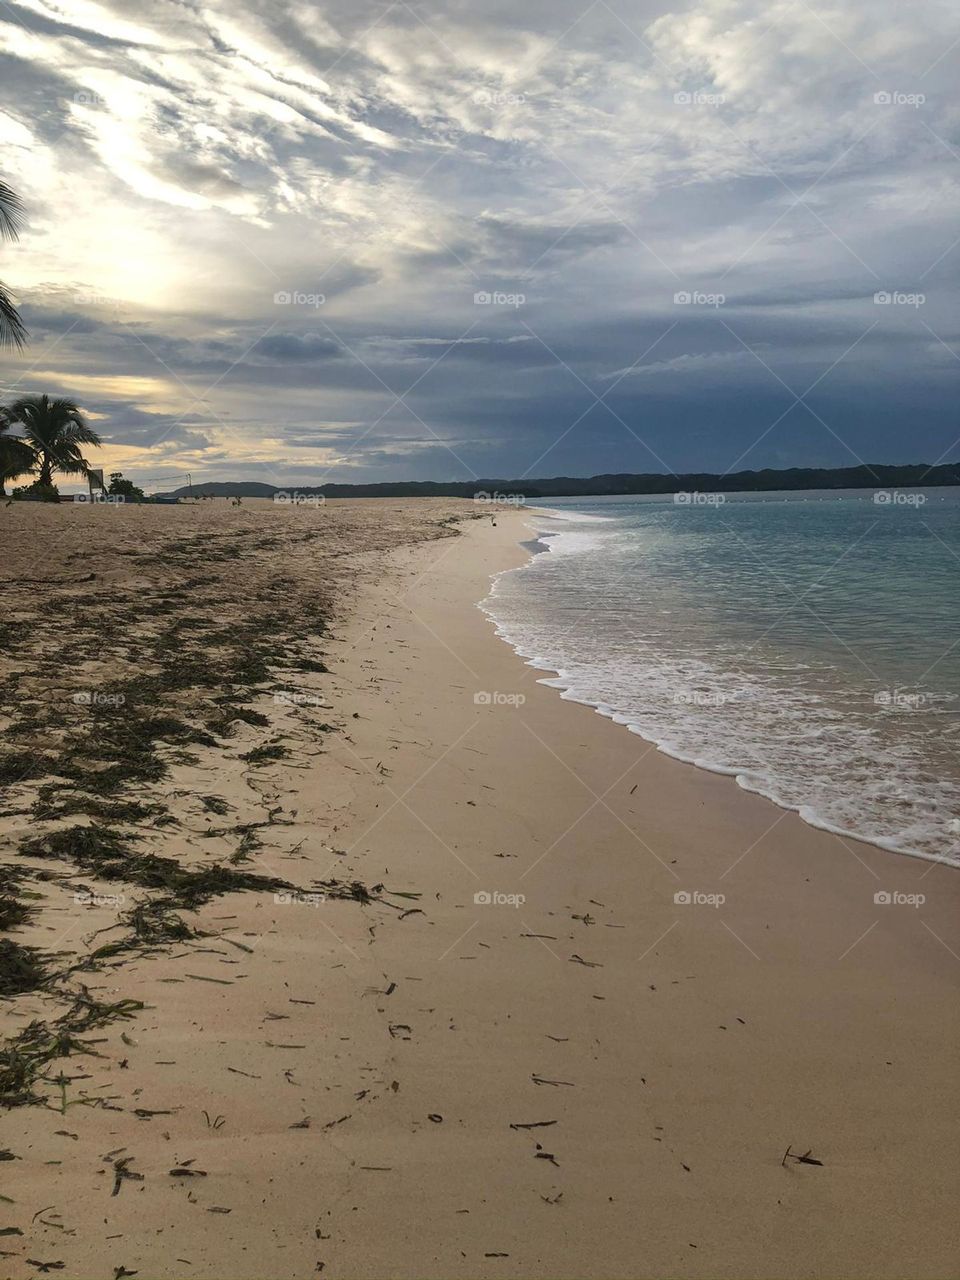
807,643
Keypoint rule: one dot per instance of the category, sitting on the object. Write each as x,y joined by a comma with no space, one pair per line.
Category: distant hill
225,489
863,477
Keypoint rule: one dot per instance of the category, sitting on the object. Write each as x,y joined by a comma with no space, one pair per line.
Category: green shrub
37,492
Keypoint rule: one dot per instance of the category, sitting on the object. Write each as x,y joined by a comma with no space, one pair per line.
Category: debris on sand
806,1158
122,1173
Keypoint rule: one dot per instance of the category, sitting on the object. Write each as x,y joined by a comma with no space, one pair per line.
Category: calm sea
807,643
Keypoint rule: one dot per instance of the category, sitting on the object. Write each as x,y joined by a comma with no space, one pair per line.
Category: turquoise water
807,643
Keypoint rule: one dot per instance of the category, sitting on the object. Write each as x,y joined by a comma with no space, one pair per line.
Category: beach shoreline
715,688
525,1056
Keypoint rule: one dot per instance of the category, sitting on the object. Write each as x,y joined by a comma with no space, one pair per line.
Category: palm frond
79,432
16,457
11,212
13,333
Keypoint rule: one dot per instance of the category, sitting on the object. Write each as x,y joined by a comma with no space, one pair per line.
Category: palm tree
16,456
12,332
53,430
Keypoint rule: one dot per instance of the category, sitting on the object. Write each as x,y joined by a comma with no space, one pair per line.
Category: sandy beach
482,985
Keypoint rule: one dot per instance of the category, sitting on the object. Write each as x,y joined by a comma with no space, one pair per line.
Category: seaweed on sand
24,1058
152,923
105,853
184,658
307,664
21,766
55,801
21,968
215,804
249,843
121,748
13,910
225,723
268,751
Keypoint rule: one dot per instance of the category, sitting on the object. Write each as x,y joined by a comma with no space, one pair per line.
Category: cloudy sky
288,240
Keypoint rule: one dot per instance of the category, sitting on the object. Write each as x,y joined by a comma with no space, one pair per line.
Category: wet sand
474,1033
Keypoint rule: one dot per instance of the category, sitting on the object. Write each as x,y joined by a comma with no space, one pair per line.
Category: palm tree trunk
46,469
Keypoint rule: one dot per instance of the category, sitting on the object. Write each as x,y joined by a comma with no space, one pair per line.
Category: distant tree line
864,477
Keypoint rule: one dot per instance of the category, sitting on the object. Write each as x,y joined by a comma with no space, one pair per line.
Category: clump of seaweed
105,853
215,804
268,751
21,968
152,923
13,910
122,748
90,847
54,801
224,723
308,664
249,843
22,766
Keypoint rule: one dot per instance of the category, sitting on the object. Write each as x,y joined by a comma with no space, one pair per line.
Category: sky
352,241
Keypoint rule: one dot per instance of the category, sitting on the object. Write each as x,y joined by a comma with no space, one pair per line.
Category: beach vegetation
124,488
16,457
37,492
55,432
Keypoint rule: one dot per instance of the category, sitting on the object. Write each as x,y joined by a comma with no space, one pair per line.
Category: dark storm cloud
297,346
